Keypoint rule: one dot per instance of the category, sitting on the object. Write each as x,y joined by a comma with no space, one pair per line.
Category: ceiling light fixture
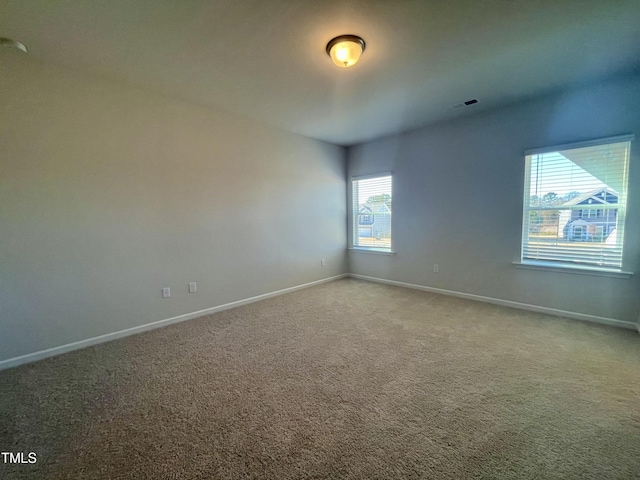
345,50
8,42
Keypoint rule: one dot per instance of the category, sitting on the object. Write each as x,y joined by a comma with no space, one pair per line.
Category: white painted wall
109,193
458,201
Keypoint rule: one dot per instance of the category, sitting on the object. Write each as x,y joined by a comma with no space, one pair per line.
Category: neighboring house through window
574,204
372,197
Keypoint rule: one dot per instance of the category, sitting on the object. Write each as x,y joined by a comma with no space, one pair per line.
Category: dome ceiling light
345,50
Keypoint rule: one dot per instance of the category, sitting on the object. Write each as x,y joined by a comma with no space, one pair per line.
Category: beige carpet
348,380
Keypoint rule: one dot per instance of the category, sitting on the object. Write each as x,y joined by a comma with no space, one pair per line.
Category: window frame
569,267
354,225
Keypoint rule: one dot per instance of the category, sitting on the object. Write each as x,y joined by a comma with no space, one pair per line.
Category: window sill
575,269
377,251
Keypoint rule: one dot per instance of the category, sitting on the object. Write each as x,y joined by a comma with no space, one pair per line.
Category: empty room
357,239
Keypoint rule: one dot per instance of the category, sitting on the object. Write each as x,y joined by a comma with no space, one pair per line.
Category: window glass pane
372,206
574,205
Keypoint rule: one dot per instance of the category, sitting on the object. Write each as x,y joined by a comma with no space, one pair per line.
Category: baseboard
506,303
50,352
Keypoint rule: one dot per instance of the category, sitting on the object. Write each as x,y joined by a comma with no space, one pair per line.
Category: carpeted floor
347,379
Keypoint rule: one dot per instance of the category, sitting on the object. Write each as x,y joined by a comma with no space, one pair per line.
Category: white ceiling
265,59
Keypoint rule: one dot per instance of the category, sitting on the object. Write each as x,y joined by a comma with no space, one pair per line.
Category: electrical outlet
436,268
192,287
323,262
166,292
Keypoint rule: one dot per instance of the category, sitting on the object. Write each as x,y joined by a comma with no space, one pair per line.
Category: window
372,212
589,213
574,204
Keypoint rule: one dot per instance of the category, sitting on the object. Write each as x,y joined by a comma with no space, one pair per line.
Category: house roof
593,194
267,60
377,207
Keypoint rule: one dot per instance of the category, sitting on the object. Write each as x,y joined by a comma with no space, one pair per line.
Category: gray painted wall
448,177
109,193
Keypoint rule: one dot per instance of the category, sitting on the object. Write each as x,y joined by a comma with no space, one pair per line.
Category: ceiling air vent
464,104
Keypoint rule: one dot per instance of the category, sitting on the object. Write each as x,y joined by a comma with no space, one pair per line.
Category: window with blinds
574,204
372,212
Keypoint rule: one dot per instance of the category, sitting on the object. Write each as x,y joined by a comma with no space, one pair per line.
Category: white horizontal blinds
372,212
574,205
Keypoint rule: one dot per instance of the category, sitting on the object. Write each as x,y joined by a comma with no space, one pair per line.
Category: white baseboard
50,352
507,303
